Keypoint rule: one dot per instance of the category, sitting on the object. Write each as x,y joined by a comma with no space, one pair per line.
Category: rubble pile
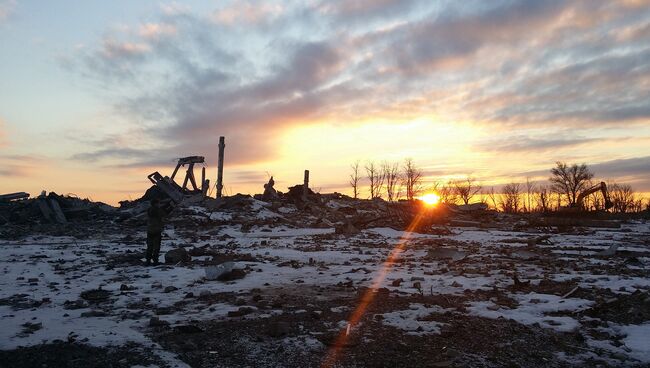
284,279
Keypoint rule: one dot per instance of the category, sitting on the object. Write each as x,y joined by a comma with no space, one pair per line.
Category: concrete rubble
276,281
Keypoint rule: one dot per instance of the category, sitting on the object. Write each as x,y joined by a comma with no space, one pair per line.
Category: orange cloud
156,30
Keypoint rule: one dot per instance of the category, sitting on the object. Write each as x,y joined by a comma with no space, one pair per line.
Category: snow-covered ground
43,278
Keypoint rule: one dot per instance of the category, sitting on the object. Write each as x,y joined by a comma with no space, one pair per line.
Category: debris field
322,281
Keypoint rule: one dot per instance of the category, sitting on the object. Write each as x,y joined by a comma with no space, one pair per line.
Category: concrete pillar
305,187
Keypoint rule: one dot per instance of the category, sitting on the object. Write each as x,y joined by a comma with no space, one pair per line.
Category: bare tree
466,189
493,198
354,179
543,198
622,197
638,204
530,189
376,178
447,194
570,180
391,174
412,178
510,199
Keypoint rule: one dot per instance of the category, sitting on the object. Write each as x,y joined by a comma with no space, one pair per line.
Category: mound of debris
52,208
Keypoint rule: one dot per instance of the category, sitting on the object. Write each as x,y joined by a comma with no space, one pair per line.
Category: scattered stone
234,274
164,311
157,322
205,294
29,328
178,255
277,329
94,313
75,304
242,311
188,329
96,295
169,289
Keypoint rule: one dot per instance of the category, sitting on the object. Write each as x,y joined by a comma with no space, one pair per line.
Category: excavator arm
598,187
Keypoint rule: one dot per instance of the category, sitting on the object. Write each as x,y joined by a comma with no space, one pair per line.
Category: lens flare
430,199
369,295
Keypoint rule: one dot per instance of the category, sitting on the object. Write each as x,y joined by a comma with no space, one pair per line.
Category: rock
156,285
75,304
157,322
346,229
205,294
188,329
277,329
190,295
95,295
94,313
417,285
177,255
439,253
397,282
234,274
163,311
242,311
169,289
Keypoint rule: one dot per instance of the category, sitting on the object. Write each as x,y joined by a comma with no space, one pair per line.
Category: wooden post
305,186
222,146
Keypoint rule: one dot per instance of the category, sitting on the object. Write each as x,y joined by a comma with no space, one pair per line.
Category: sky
96,95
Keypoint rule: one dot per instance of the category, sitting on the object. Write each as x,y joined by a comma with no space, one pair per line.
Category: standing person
154,231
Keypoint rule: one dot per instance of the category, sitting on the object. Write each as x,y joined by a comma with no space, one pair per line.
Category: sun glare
430,199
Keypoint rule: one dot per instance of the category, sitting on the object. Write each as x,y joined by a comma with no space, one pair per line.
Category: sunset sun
430,199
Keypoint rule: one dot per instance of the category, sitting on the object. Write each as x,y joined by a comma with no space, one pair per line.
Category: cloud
156,30
3,134
174,9
636,166
16,166
7,8
347,11
184,79
247,12
526,143
632,171
425,46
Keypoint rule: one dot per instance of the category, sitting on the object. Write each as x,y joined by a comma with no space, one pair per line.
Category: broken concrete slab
14,196
446,253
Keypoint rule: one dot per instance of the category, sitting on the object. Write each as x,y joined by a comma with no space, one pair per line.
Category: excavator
577,215
578,206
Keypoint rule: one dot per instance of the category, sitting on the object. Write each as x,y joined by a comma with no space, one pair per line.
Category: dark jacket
155,223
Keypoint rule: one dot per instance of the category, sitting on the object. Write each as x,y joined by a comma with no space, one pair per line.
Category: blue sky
95,95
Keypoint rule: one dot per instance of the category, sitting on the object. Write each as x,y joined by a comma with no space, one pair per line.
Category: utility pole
222,146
